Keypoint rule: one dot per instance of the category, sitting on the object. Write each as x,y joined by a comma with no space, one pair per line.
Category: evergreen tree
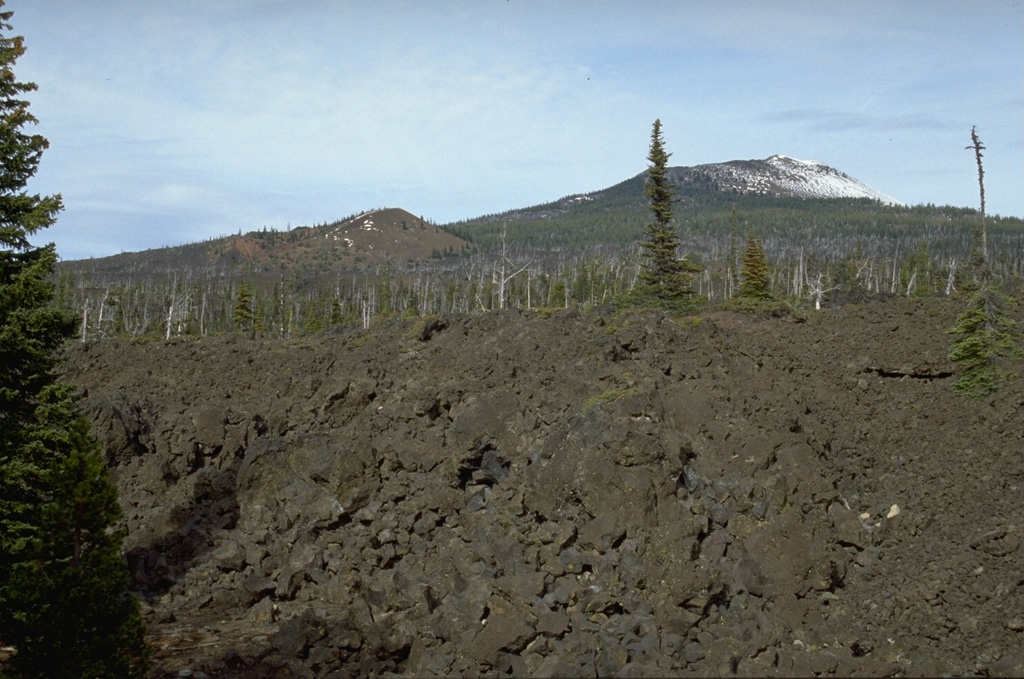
989,336
756,276
664,275
63,600
970,280
337,312
919,270
732,266
384,294
244,316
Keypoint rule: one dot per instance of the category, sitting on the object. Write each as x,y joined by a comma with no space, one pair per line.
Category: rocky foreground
517,494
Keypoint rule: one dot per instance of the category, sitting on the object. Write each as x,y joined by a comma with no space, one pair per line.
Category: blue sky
177,121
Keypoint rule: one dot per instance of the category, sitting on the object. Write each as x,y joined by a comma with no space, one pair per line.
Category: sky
180,121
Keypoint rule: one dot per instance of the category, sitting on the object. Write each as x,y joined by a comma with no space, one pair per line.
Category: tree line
196,301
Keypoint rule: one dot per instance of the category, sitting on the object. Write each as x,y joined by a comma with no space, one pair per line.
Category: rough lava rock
526,494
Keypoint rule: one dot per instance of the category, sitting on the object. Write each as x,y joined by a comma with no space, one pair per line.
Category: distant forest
577,252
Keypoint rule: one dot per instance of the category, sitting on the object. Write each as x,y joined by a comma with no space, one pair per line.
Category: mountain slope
385,237
794,206
378,237
774,178
782,176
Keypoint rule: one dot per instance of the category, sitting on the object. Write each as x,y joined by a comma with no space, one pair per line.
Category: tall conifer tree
756,278
989,337
244,318
733,264
63,600
664,275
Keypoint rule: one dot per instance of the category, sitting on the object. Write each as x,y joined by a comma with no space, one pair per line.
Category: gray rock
476,502
209,426
847,527
258,585
552,623
720,514
292,638
603,531
714,545
229,556
693,652
691,481
288,583
611,658
493,468
522,587
263,612
552,666
503,632
671,644
639,670
747,576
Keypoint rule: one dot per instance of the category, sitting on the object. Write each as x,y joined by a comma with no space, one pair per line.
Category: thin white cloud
234,114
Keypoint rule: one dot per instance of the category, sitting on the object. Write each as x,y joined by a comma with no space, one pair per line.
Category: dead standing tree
979,257
506,269
978,148
989,337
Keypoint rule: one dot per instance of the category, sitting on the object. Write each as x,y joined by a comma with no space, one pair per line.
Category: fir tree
919,267
63,600
756,277
664,275
988,340
244,317
732,266
337,312
989,336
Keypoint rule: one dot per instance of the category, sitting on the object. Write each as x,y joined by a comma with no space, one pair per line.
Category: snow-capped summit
781,175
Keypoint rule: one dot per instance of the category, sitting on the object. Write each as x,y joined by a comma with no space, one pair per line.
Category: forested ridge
616,216
579,251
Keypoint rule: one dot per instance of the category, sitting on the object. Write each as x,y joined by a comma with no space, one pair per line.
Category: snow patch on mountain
822,180
784,176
